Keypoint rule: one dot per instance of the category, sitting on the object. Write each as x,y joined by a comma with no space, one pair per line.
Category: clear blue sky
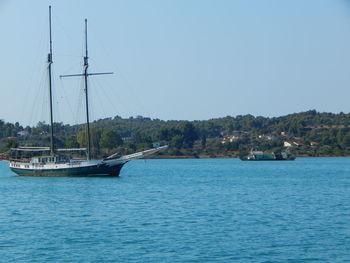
181,59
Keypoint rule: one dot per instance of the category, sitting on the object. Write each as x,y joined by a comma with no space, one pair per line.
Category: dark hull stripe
100,170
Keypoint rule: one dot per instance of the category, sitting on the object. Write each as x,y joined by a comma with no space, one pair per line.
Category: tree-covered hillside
307,133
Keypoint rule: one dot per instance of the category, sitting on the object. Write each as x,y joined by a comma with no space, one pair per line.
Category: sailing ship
57,164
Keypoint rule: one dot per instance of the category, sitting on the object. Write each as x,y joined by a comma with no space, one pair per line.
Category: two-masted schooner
58,164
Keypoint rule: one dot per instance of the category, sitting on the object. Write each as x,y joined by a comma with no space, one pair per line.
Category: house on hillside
22,133
291,144
287,144
230,138
156,144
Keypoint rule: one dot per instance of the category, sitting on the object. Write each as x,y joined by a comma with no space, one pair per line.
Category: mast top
86,58
50,32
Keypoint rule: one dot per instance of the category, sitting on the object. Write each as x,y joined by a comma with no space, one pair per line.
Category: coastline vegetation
309,133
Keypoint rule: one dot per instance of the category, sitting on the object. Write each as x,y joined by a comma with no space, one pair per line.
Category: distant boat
268,156
58,164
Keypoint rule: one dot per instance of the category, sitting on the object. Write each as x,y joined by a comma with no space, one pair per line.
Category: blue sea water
209,210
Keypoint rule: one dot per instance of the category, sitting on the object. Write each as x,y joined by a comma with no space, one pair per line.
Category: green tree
81,138
110,139
71,142
176,142
203,141
11,143
95,137
189,135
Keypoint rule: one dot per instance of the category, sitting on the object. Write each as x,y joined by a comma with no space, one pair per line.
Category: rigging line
66,55
133,93
139,106
98,97
81,86
56,109
40,90
40,75
81,104
38,105
45,104
80,100
33,96
44,94
130,88
60,28
66,97
29,90
92,103
31,112
77,105
107,57
82,48
108,96
73,67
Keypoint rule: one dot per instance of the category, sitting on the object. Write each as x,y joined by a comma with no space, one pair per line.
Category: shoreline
169,157
160,157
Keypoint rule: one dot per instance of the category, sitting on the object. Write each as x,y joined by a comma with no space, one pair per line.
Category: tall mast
49,60
85,75
86,65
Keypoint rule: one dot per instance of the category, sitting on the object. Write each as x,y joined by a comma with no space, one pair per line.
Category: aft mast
85,75
49,60
86,65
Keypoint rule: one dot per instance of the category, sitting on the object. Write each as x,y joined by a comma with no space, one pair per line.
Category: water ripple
181,211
